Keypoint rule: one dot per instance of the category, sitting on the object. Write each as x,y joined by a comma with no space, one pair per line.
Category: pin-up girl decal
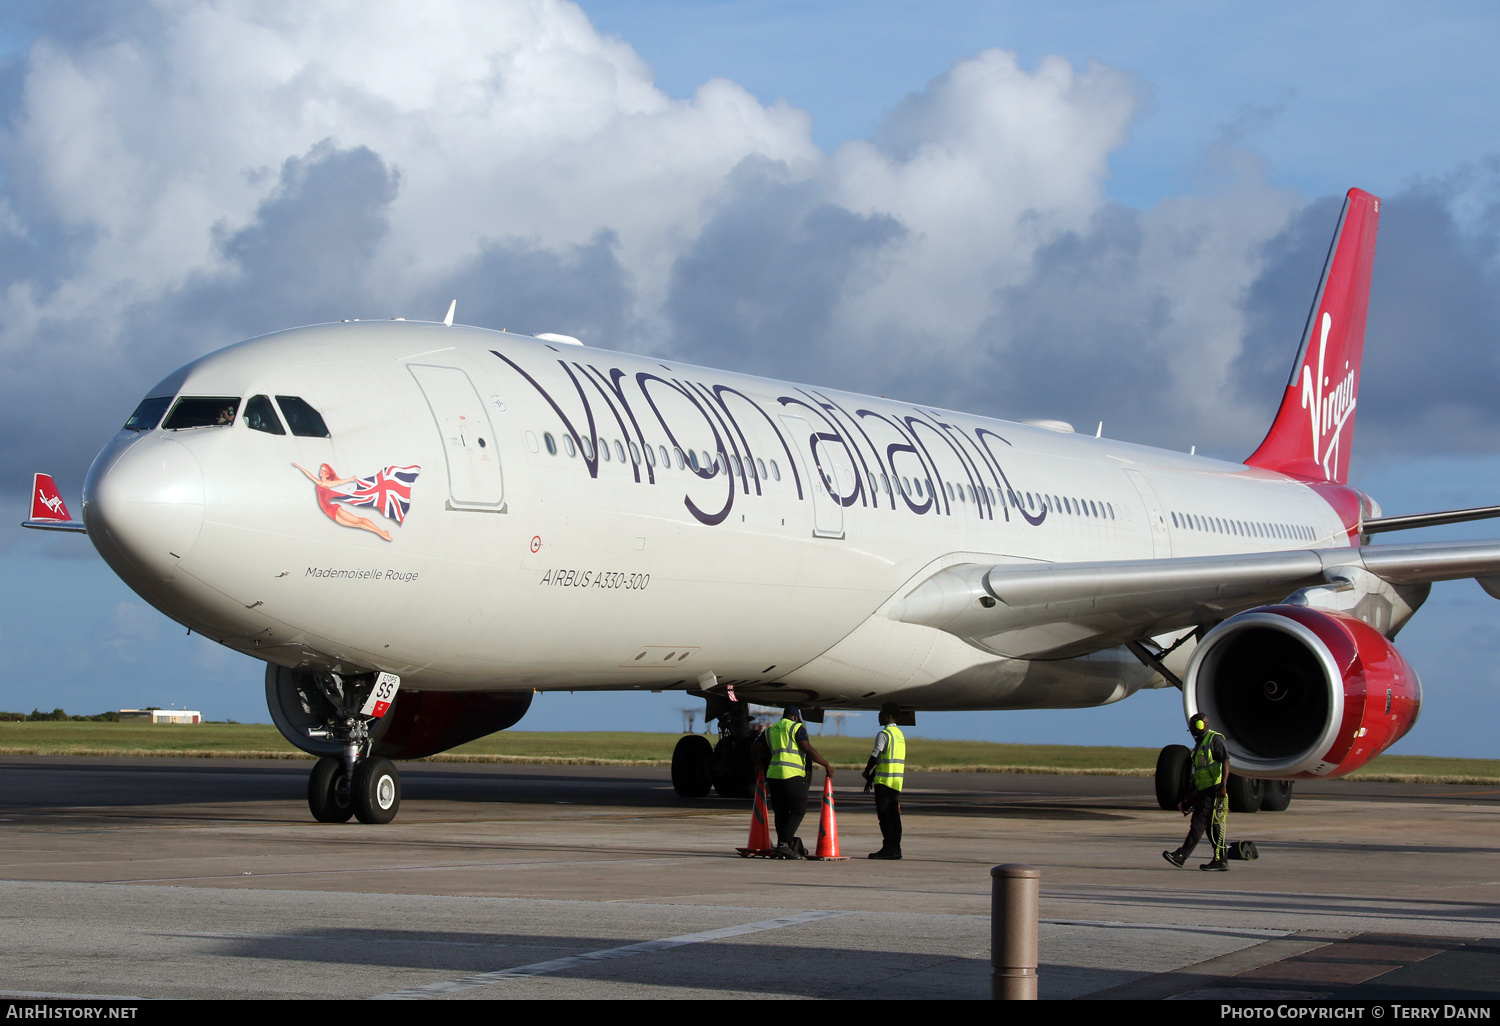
389,492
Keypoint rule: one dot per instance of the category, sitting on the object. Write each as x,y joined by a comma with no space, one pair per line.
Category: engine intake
1300,693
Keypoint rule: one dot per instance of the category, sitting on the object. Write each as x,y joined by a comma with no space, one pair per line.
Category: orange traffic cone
828,828
760,826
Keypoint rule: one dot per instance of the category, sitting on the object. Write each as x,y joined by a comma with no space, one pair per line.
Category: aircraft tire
327,796
1275,795
1245,793
690,761
733,770
376,791
1172,766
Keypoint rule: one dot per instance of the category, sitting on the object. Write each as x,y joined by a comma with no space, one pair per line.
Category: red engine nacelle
1301,693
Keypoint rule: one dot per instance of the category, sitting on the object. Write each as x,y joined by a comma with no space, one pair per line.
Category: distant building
162,715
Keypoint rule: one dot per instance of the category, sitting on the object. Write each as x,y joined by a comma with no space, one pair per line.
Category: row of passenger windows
660,456
198,411
920,487
1244,528
1067,504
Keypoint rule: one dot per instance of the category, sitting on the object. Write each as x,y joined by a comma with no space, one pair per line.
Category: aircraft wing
1057,610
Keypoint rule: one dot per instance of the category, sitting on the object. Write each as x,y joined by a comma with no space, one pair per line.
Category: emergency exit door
474,477
822,477
1156,515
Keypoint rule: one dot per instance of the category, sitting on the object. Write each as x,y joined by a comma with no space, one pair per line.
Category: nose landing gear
354,783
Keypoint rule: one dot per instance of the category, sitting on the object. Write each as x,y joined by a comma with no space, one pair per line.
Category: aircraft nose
146,504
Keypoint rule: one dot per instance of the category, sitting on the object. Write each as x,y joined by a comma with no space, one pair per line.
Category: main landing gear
1174,783
698,765
355,783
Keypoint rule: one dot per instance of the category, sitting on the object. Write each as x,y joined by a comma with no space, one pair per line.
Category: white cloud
162,165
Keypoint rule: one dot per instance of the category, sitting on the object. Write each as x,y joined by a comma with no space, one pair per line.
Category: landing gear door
822,478
463,422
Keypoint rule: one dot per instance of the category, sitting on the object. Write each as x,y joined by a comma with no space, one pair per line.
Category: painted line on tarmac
166,880
558,965
1234,931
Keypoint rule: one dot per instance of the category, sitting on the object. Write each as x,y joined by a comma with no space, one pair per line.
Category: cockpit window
304,421
148,414
195,411
260,415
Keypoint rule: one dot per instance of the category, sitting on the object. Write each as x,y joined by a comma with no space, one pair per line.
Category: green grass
619,748
237,740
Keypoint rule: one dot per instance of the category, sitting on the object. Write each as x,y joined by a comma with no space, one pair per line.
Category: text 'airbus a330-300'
419,525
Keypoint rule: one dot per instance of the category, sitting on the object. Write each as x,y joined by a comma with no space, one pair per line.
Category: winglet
48,511
1310,437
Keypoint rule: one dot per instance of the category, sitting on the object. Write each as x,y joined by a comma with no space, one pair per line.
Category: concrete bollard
1015,905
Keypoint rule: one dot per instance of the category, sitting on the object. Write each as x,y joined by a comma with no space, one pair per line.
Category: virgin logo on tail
1328,413
46,502
1309,438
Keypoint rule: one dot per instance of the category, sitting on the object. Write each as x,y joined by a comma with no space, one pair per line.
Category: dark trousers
888,811
788,799
1211,813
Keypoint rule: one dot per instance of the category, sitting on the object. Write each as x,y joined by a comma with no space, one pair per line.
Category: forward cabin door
822,477
1161,539
474,478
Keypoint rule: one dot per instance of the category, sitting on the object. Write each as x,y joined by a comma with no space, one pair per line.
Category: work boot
889,854
1177,858
1216,866
785,851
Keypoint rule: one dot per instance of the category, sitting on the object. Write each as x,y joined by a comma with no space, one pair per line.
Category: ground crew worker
782,750
885,773
1210,796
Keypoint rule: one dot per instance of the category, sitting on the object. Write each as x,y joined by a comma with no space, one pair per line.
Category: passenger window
666,457
650,456
587,445
761,465
775,471
692,458
681,460
148,414
304,421
604,450
550,443
202,411
260,415
568,446
619,451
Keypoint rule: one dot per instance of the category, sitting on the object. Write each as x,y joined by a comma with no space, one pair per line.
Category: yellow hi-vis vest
1207,772
890,768
786,758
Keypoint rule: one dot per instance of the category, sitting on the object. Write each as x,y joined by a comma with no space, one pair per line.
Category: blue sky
1142,248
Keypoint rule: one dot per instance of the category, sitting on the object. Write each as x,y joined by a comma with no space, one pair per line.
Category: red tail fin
46,503
1310,437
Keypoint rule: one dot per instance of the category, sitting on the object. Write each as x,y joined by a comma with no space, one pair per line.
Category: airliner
418,526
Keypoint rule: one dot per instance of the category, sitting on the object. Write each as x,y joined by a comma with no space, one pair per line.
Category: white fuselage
771,567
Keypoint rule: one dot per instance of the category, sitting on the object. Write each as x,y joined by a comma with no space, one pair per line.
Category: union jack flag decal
389,492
